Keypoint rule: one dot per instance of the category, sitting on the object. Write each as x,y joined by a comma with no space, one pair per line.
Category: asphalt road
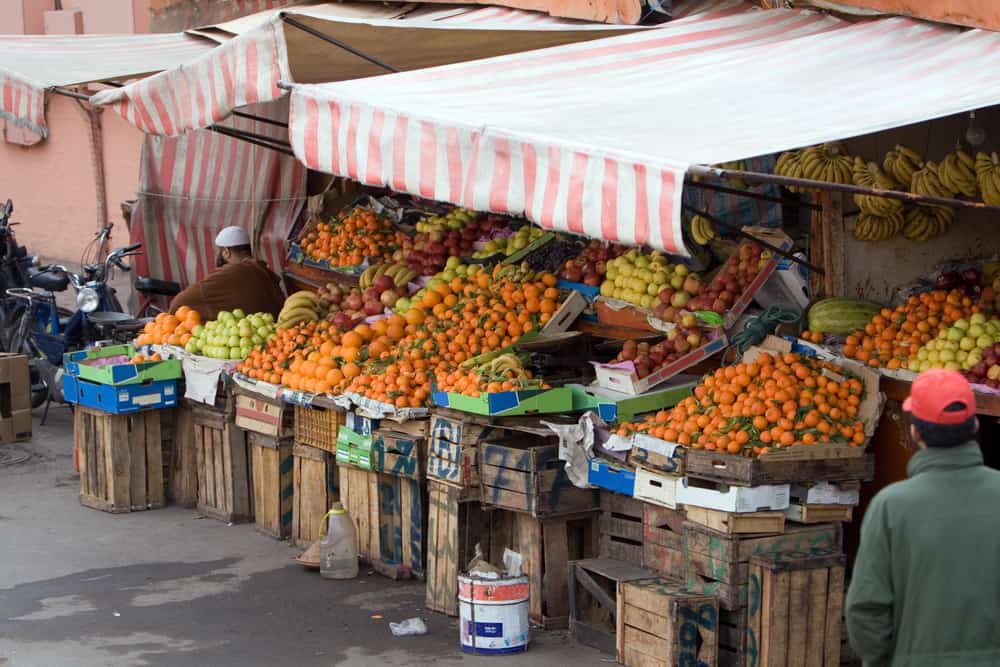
167,587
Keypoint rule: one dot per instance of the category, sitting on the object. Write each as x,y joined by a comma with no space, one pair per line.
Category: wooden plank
645,643
389,518
666,561
732,523
755,611
155,488
137,464
816,623
184,468
555,582
529,536
834,615
80,445
653,623
778,618
120,462
626,529
225,471
801,513
798,616
634,658
102,449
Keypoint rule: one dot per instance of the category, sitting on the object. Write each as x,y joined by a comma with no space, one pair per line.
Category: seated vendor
240,281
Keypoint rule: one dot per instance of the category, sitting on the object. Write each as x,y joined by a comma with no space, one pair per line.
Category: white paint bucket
493,615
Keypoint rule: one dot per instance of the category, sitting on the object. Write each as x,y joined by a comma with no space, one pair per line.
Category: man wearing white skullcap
240,281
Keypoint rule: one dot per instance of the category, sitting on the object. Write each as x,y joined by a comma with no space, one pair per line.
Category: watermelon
840,315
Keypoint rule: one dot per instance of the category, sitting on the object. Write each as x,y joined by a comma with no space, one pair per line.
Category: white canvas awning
32,64
258,51
596,138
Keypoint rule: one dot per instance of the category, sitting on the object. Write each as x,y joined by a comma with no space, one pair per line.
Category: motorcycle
37,327
15,262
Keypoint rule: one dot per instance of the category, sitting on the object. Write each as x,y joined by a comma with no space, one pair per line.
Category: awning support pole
910,197
70,93
739,232
236,134
751,195
336,42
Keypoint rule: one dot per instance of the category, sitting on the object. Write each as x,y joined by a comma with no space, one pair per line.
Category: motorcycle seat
156,286
50,281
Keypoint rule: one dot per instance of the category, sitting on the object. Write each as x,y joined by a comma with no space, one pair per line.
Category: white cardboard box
827,493
657,488
733,498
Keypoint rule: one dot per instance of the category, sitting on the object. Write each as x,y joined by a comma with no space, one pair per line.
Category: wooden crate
732,523
273,486
522,472
315,483
460,428
719,564
663,541
453,463
455,526
802,513
661,625
621,527
260,414
225,491
801,464
120,458
399,454
182,473
546,547
359,496
797,619
318,427
593,599
402,526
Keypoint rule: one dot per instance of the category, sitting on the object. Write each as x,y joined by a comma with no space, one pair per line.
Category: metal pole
254,135
739,232
752,195
909,197
336,42
70,93
237,135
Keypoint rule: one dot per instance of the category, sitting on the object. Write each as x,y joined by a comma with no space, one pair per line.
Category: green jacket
925,591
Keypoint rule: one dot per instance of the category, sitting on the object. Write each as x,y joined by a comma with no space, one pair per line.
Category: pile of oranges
169,329
471,383
396,360
773,402
892,336
359,235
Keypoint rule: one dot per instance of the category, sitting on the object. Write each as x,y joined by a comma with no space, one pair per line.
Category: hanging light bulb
974,133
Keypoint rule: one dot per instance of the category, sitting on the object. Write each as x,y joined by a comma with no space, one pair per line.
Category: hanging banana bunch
871,227
927,182
901,163
988,177
926,222
957,172
870,175
827,162
702,230
789,165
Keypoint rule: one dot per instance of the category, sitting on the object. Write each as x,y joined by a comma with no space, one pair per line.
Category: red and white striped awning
595,138
246,68
31,64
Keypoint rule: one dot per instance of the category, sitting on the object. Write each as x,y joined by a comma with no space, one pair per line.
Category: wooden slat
732,523
529,534
555,552
101,437
185,472
798,616
834,616
137,463
155,490
120,463
816,624
778,618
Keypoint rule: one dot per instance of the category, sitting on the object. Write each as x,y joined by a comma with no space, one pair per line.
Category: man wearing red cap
240,281
926,584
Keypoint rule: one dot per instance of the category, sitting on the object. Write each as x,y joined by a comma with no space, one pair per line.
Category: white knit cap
231,237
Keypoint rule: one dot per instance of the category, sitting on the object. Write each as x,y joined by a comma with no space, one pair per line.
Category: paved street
167,587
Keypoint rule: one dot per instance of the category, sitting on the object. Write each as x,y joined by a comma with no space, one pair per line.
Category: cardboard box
621,376
789,284
827,493
110,365
734,498
361,424
121,399
262,415
15,398
614,406
566,314
611,477
508,403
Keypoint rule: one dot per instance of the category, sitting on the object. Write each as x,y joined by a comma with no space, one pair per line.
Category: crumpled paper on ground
580,442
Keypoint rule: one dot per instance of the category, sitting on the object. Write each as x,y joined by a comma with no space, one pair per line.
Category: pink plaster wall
24,17
52,183
106,17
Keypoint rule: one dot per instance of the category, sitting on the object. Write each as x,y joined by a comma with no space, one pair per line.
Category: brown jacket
249,285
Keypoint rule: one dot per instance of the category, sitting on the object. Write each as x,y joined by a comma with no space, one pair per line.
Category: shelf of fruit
773,402
356,236
463,312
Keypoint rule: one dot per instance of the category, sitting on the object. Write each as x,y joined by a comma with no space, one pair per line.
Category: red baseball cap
937,390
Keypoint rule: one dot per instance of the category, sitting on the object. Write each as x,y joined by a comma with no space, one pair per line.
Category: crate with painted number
522,472
398,454
273,489
455,525
621,527
663,540
402,527
797,618
225,491
120,459
593,599
316,486
660,625
718,564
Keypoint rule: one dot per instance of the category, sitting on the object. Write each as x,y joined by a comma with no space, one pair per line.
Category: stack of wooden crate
315,476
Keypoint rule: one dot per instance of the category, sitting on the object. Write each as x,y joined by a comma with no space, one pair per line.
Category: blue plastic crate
122,399
606,476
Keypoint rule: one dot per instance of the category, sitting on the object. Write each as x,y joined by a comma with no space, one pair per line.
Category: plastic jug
338,546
